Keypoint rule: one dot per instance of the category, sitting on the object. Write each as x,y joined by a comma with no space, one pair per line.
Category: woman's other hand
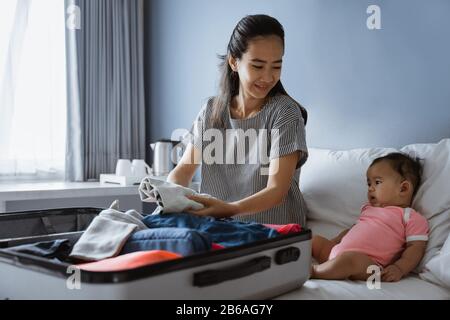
213,207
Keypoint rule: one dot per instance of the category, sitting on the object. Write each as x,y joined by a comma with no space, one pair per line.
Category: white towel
107,234
170,197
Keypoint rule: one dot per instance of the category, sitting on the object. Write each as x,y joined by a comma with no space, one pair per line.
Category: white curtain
32,89
106,94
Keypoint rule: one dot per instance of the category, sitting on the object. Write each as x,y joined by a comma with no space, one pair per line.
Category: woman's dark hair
247,29
409,168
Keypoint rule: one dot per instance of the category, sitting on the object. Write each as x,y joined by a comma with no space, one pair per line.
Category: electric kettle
165,156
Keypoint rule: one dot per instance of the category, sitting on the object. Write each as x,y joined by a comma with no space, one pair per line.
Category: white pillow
334,186
433,197
437,270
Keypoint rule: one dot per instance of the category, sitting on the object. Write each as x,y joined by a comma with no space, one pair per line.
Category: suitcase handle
211,277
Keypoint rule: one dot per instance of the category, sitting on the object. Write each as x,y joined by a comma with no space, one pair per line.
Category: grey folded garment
107,234
170,197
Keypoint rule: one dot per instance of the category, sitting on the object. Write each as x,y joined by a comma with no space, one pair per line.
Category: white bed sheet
411,287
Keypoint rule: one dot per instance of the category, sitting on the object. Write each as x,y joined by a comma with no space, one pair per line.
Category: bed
409,288
333,184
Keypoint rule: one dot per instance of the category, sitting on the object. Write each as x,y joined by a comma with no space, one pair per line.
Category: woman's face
259,68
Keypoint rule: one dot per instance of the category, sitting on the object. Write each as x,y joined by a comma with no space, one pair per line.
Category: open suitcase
260,270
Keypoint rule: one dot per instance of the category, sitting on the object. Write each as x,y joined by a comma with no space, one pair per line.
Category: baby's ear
406,186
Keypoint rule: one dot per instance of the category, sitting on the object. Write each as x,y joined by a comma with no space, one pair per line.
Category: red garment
216,246
285,228
129,261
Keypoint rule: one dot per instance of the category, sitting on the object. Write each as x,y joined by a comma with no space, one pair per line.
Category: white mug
123,168
140,169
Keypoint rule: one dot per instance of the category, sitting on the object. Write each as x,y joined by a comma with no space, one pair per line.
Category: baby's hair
408,167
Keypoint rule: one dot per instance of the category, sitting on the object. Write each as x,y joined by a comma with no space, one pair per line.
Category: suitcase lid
45,222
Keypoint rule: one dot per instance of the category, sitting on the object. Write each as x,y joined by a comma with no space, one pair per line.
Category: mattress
409,288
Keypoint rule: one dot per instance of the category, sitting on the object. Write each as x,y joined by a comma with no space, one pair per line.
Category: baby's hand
391,273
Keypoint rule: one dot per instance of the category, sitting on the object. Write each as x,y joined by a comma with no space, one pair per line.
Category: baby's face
384,185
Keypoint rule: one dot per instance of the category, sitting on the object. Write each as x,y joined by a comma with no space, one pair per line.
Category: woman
251,97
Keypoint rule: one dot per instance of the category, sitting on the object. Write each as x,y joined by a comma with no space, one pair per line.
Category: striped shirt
235,164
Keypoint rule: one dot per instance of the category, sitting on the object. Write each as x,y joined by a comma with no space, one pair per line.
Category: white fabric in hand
170,197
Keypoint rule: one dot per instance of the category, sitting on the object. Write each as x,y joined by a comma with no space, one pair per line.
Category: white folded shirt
107,234
170,197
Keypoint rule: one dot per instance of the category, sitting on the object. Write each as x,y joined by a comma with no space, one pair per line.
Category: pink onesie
381,233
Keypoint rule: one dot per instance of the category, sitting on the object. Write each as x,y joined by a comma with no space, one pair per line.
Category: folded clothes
178,240
170,197
129,261
106,235
225,232
130,217
113,232
58,249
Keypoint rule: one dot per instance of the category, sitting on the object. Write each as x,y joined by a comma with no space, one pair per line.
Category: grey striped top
235,159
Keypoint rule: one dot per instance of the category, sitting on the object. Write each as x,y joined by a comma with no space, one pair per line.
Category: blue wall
362,87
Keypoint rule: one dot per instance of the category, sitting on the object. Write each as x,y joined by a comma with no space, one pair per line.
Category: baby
388,233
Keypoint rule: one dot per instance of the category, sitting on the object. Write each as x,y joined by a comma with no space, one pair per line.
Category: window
32,89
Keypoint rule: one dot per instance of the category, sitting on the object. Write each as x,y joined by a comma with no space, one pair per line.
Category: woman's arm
281,171
184,171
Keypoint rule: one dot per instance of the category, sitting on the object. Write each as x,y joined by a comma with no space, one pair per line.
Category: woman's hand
391,273
213,207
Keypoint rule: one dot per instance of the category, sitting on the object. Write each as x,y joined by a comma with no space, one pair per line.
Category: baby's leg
351,265
321,248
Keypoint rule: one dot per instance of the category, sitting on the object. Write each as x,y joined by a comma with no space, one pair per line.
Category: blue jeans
178,240
226,232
